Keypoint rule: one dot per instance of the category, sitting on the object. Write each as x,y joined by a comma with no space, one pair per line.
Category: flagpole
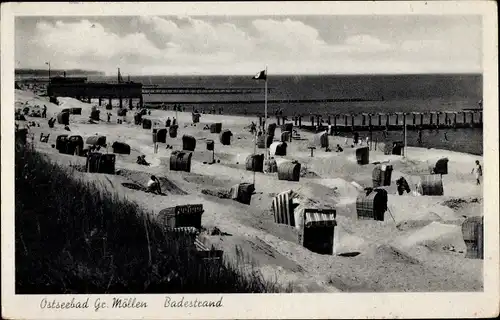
405,130
265,115
254,150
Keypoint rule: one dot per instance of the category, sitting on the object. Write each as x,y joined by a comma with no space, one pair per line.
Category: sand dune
402,253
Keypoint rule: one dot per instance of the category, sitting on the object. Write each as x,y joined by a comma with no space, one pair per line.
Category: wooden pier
151,89
386,121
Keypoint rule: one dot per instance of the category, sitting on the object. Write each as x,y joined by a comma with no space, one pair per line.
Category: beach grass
73,237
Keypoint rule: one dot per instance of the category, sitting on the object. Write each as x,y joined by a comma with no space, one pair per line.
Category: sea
356,94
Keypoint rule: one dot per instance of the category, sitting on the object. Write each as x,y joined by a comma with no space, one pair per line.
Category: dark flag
261,75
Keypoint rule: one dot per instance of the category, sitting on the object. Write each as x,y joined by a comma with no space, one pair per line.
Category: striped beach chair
282,206
316,228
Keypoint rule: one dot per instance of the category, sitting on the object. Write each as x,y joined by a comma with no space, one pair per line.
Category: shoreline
187,116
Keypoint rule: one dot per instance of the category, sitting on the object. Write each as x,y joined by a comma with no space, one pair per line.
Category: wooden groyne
386,121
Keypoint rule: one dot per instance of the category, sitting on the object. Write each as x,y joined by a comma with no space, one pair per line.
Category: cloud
88,39
193,45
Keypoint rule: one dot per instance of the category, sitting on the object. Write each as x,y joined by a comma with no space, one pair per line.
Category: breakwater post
428,120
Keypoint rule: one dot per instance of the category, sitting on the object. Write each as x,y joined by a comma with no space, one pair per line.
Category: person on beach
419,140
142,160
479,172
339,148
153,185
355,138
253,127
44,112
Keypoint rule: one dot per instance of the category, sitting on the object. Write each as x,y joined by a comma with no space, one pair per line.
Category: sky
177,45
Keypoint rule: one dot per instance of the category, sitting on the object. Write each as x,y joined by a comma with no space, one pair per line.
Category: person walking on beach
479,172
355,138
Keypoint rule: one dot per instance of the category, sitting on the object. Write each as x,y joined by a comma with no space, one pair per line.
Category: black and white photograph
190,157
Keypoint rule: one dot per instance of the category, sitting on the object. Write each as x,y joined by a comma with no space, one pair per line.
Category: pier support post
370,120
345,120
295,121
260,121
387,120
141,102
446,118
472,117
480,117
329,120
300,122
379,120
278,120
100,101
352,122
121,102
397,118
335,123
130,104
111,101
414,118
364,120
318,121
465,117
431,120
455,118
437,118
312,121
421,119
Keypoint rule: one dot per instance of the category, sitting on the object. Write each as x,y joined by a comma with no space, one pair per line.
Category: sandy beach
408,251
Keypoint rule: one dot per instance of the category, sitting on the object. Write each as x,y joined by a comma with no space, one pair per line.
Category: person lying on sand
153,185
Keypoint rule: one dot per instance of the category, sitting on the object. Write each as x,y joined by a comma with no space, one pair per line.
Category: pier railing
151,89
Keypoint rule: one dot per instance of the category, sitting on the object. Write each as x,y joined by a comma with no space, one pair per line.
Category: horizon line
251,74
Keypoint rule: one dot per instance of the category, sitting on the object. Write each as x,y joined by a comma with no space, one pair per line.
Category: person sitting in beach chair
153,185
339,148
